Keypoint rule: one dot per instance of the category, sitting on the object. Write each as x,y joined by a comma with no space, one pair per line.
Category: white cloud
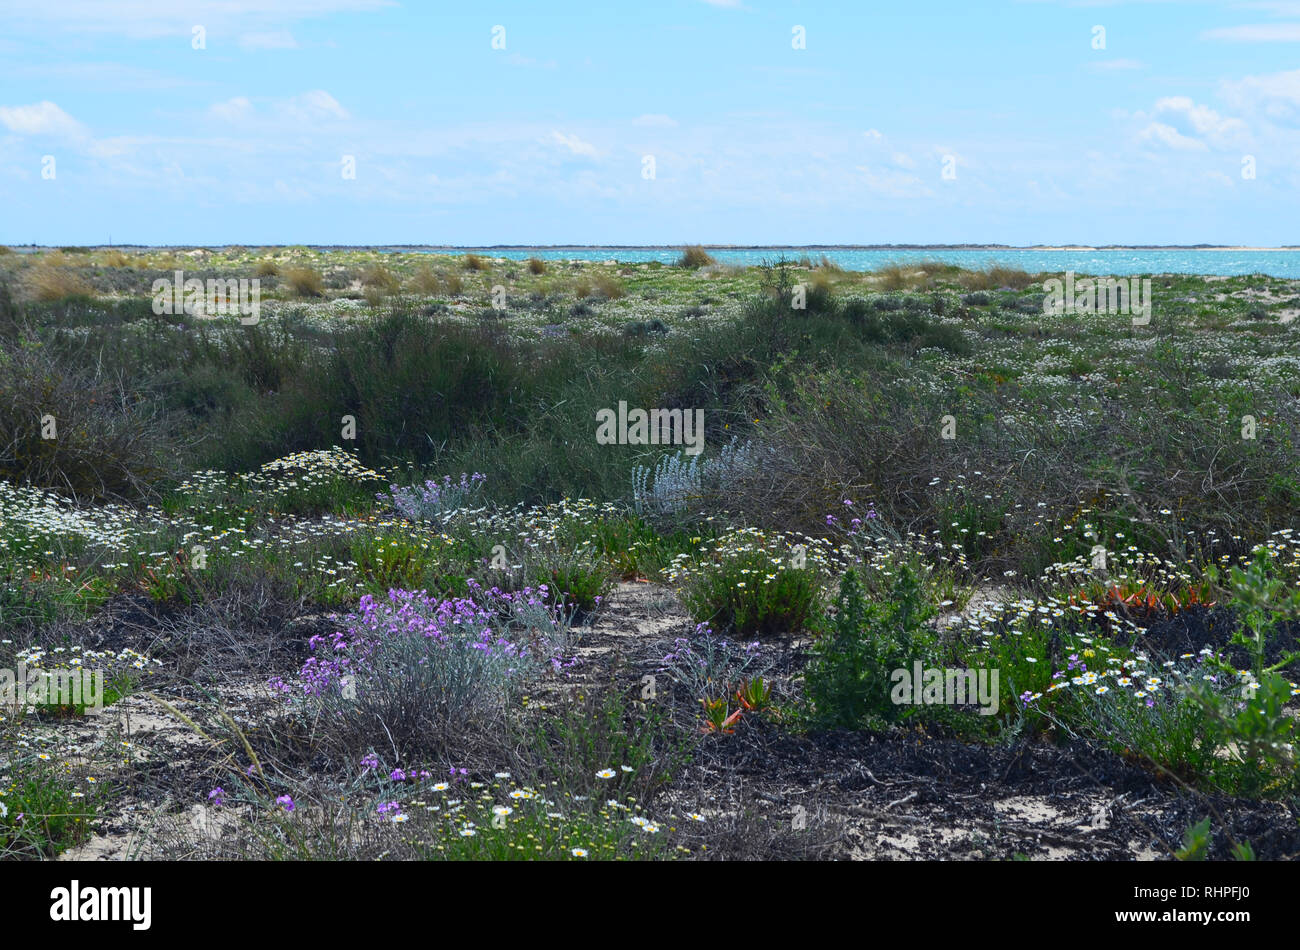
279,39
1168,136
316,104
723,3
873,135
232,110
1177,121
903,160
313,106
1276,95
1256,33
574,144
41,118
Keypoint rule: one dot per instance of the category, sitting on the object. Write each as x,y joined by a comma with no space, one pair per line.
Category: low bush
434,501
304,281
694,257
47,283
412,672
80,431
751,583
859,645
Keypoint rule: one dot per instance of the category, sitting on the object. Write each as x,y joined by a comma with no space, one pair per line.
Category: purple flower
217,796
287,802
370,761
397,775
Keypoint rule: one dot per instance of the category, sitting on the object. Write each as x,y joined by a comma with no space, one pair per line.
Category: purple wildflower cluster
433,499
854,525
506,632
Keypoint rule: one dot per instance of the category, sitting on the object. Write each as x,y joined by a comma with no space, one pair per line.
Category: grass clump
608,286
694,257
425,280
996,277
304,281
48,283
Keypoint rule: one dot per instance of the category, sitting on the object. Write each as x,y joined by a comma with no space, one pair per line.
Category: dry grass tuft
304,281
49,282
996,277
695,257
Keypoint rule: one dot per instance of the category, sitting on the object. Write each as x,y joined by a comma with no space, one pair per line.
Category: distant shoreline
711,247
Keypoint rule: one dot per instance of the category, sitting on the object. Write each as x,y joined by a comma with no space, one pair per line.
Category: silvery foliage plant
434,501
678,481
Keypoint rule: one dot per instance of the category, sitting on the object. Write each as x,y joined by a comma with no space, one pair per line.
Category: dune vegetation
364,582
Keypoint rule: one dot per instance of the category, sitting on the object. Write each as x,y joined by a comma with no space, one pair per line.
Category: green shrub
751,584
79,431
858,647
579,579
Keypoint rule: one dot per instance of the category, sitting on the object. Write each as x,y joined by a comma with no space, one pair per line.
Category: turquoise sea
1108,262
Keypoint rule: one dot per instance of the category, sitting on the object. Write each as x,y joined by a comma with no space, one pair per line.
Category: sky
210,122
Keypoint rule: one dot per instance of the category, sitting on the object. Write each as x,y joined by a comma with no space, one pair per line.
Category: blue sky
753,140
